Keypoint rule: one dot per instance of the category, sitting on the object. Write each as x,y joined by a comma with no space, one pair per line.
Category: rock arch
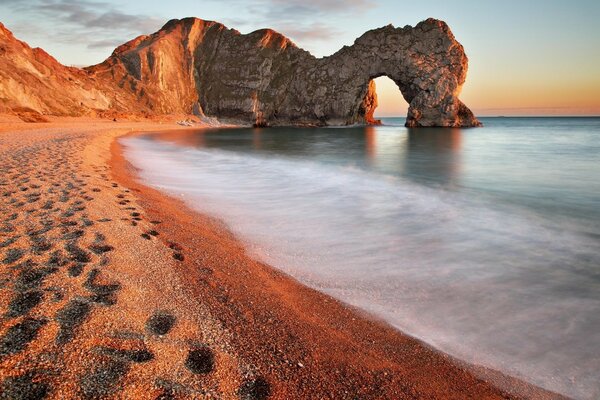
263,78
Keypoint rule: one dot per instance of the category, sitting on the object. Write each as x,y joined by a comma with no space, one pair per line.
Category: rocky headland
192,66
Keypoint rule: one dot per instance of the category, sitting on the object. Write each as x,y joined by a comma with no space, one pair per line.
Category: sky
526,57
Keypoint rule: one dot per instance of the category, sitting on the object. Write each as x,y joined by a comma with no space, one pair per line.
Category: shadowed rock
101,248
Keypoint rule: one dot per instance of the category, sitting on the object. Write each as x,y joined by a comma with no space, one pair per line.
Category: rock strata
192,66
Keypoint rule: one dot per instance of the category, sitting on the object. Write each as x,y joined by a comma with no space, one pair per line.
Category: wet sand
110,289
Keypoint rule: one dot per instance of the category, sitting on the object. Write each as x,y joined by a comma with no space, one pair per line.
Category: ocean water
484,243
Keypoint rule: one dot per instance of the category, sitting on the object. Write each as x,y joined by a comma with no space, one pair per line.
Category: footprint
23,302
160,323
104,380
136,356
24,387
255,389
20,335
70,317
200,360
13,255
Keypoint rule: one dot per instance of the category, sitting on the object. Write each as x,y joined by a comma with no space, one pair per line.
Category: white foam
490,285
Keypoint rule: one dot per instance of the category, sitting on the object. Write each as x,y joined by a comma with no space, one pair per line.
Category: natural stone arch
426,62
192,65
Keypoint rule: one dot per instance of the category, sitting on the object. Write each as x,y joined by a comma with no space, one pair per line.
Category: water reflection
370,142
425,155
256,139
434,155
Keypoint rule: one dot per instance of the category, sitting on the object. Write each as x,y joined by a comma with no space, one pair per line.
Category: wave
481,281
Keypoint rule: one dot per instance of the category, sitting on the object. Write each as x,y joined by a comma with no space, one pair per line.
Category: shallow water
482,242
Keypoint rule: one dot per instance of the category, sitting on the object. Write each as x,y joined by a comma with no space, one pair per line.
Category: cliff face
201,67
33,83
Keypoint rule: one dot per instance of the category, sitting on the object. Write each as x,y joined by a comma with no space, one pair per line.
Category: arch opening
390,101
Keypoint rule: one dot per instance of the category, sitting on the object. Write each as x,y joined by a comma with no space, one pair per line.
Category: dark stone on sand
18,336
104,380
71,316
153,233
13,255
178,256
24,387
160,323
22,303
146,236
137,356
255,389
200,360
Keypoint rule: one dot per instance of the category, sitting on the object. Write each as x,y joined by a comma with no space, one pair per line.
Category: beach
113,289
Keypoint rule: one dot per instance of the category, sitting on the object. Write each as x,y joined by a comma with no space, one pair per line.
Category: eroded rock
262,78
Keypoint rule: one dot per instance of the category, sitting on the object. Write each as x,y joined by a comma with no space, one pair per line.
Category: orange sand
260,334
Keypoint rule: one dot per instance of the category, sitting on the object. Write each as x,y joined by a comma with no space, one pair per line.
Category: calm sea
484,243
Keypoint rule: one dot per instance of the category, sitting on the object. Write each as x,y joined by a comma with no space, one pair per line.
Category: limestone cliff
32,84
202,67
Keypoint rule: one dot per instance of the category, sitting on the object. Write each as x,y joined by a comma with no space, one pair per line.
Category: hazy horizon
523,59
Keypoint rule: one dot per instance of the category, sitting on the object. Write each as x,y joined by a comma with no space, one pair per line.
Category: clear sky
527,57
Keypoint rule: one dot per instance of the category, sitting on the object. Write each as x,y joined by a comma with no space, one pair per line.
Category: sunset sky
526,57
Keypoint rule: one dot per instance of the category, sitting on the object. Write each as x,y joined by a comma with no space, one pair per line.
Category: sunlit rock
261,78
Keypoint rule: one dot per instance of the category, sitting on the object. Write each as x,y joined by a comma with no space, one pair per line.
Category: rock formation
32,83
204,68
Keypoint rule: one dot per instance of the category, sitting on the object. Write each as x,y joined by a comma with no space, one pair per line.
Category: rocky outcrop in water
202,67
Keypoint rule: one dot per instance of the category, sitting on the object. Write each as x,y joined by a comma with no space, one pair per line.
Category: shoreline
249,330
358,328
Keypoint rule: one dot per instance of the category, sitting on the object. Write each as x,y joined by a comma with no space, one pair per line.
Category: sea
482,242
